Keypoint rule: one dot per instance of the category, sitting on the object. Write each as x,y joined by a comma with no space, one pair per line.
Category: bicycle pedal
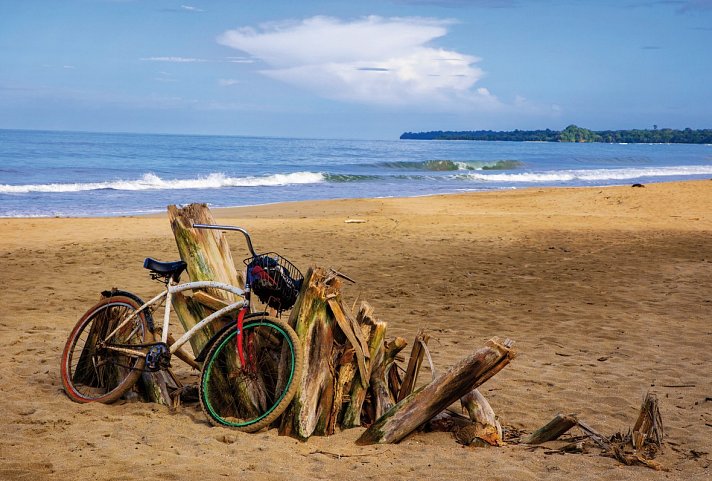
158,357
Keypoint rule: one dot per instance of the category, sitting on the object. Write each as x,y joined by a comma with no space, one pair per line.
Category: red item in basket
260,273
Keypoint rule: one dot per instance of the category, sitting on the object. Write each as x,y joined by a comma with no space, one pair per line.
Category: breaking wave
453,165
154,182
590,175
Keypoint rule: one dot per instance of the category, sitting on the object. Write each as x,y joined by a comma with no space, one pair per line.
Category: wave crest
454,165
591,175
153,182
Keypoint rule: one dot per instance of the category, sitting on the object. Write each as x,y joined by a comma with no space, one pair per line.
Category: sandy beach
606,292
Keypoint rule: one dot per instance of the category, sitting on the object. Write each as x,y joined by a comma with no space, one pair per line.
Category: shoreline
604,290
622,207
158,213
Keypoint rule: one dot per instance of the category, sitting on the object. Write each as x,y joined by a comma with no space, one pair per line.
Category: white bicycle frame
176,288
168,294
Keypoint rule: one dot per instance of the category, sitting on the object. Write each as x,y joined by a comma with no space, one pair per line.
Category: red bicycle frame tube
240,347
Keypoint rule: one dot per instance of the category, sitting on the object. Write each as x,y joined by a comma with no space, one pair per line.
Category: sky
367,69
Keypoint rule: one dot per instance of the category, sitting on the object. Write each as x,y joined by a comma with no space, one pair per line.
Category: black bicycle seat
167,269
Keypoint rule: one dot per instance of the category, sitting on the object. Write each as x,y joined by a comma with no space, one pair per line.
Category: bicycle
249,366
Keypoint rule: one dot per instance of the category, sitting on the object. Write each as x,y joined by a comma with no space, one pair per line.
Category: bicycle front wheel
100,369
250,397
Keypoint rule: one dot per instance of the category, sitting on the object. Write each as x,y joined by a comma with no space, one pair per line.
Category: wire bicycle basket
274,280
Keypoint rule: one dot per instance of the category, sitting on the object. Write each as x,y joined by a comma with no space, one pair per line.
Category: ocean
50,174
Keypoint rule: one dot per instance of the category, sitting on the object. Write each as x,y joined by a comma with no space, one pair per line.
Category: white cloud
173,59
239,60
371,60
227,82
189,8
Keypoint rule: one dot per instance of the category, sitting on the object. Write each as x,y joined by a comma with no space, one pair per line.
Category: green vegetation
573,133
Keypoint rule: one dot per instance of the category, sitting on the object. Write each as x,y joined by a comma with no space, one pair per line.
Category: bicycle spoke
92,369
251,396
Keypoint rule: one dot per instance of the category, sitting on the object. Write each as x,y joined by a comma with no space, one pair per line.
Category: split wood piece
346,370
649,426
414,363
354,335
374,331
420,406
209,301
486,426
207,254
552,430
381,367
312,404
596,437
395,379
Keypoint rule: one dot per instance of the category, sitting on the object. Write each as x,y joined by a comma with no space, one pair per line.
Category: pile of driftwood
352,376
639,446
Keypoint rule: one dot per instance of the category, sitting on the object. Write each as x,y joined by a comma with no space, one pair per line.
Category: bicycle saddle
173,269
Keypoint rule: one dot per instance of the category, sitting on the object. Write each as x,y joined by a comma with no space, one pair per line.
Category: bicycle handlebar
229,227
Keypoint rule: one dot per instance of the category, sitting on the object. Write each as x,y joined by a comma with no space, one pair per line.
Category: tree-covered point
573,133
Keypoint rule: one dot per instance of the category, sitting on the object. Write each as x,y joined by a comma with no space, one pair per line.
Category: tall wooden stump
337,358
209,259
312,404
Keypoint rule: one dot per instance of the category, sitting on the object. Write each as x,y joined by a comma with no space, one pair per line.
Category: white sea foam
153,182
590,175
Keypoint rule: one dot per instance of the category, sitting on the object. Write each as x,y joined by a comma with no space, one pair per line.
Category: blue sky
353,69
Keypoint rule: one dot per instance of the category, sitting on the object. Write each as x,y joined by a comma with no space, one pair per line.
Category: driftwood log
552,430
486,427
420,406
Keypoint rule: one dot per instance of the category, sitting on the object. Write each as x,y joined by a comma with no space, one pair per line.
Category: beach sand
606,291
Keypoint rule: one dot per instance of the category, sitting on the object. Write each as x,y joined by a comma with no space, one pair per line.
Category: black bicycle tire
289,390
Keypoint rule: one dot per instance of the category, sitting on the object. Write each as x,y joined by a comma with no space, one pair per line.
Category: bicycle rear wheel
252,396
93,369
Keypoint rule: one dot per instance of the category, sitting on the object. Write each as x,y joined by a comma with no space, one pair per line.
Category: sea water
109,174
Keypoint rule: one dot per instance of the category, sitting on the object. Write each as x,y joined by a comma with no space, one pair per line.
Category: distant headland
573,133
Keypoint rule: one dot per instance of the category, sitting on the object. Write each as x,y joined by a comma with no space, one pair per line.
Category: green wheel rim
209,367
